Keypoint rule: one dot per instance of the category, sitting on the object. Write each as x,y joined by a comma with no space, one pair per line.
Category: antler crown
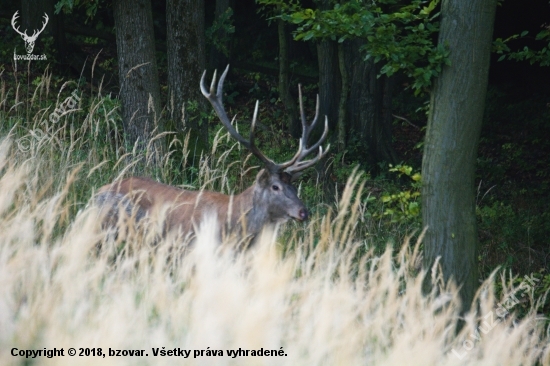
294,165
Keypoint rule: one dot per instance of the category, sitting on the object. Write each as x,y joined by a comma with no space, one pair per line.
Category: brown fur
244,214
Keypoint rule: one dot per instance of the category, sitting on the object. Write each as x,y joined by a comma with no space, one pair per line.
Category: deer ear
263,178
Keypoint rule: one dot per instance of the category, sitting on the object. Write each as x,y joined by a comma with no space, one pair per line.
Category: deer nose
303,214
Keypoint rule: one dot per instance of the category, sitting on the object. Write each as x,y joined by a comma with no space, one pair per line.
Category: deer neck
248,208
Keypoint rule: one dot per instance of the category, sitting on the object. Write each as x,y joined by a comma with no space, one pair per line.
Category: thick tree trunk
137,67
330,83
369,107
329,97
450,150
186,63
330,87
291,108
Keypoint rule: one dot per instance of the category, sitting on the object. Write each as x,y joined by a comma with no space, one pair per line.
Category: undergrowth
345,288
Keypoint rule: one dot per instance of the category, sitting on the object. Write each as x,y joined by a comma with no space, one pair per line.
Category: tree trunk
329,97
450,150
369,107
344,98
381,136
330,86
329,81
137,67
289,102
186,63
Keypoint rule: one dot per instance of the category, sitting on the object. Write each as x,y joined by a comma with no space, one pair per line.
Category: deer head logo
29,40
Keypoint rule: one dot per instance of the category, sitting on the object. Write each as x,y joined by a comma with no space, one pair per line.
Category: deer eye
275,187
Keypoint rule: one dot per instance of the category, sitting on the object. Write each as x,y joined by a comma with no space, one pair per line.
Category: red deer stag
271,200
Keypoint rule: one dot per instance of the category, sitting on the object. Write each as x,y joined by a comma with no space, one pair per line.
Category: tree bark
344,98
329,96
381,136
330,83
137,67
291,108
369,107
450,150
186,63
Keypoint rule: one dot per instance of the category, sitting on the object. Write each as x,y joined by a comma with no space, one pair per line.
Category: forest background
378,109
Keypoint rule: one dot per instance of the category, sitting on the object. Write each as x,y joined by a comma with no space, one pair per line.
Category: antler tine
296,164
214,96
219,93
270,165
253,124
305,128
302,143
302,165
321,139
309,128
216,100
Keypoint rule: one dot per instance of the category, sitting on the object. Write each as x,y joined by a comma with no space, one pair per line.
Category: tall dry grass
320,292
328,301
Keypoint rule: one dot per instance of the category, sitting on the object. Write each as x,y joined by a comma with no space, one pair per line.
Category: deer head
275,199
29,40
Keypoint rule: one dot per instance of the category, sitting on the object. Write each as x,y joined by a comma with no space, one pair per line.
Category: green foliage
219,34
540,57
400,36
108,108
524,155
403,205
514,180
506,229
526,293
67,6
340,169
389,208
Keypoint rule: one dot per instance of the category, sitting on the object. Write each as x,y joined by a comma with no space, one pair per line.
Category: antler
292,166
13,19
299,165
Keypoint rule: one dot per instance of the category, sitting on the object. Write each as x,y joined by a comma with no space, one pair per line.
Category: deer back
180,209
271,200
